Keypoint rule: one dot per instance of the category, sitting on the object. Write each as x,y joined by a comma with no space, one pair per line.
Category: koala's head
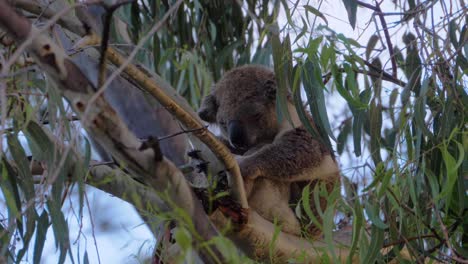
242,104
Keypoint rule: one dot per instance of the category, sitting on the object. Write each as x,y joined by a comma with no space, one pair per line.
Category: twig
398,242
379,74
105,39
385,75
182,132
389,41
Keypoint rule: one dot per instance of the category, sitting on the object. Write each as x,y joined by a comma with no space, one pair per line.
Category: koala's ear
270,89
208,109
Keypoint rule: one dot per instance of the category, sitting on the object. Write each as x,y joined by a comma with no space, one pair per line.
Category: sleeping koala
276,157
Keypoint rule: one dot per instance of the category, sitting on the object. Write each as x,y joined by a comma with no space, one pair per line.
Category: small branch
182,132
366,5
379,74
406,240
379,12
389,41
105,40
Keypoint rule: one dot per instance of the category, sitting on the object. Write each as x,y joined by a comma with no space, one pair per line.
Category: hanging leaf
413,68
313,86
9,187
316,12
357,128
451,167
351,9
377,239
42,227
341,140
281,73
375,131
371,45
60,227
358,220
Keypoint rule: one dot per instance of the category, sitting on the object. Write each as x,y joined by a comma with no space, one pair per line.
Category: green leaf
85,258
413,67
39,142
377,239
351,9
341,140
358,223
393,98
328,225
452,28
183,238
10,192
281,64
42,227
419,116
5,239
357,129
303,116
375,131
372,211
22,163
306,202
385,182
378,175
451,166
60,228
371,45
316,12
313,86
353,102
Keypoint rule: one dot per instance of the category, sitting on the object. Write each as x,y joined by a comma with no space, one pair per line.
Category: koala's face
242,104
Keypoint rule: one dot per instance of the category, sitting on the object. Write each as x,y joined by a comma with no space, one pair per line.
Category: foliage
404,120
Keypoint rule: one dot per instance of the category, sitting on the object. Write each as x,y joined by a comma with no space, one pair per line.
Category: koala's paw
234,211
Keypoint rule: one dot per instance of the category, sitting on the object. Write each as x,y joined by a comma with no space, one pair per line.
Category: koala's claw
226,204
234,211
194,154
202,167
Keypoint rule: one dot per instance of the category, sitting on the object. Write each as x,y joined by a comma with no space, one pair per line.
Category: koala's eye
222,123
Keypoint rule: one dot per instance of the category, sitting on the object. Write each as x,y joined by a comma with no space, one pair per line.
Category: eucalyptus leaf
316,12
42,227
377,238
351,9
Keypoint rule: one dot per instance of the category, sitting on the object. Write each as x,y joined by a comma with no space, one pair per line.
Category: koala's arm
294,156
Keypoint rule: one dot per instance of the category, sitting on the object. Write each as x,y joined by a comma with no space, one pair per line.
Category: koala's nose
236,133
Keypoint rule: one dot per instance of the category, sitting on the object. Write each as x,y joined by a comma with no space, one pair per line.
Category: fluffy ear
270,89
208,109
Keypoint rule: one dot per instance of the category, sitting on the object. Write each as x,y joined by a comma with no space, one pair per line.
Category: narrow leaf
42,227
316,12
351,9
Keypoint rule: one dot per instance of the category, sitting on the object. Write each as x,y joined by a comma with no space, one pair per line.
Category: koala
276,158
